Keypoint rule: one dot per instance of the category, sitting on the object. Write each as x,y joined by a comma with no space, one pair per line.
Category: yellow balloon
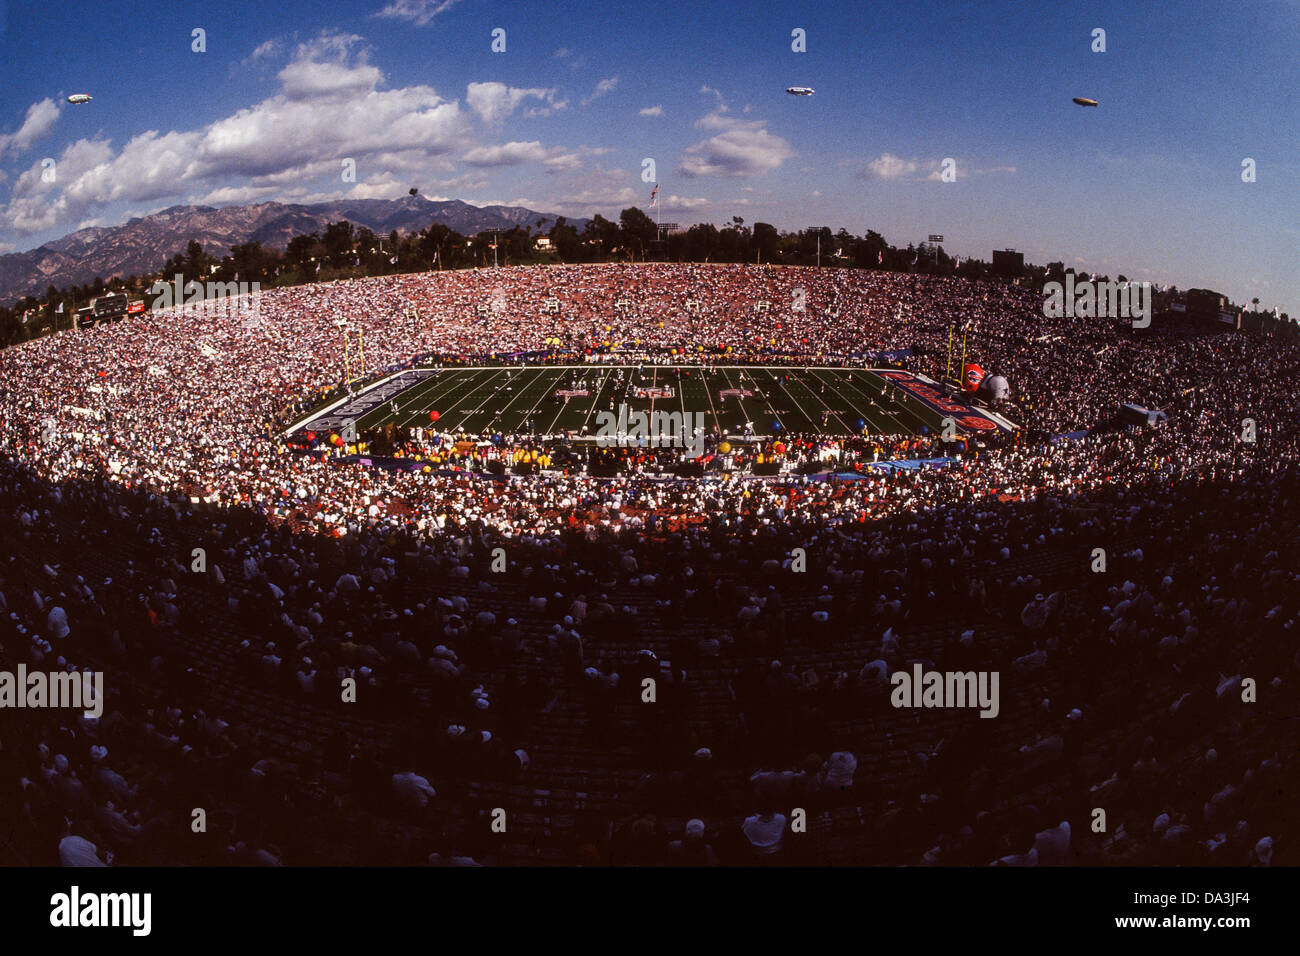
725,447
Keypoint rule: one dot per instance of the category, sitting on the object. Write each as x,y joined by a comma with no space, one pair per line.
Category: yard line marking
434,385
883,413
518,394
902,405
819,398
595,396
459,426
550,389
811,421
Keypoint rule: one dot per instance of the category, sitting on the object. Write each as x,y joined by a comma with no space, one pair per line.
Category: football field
737,399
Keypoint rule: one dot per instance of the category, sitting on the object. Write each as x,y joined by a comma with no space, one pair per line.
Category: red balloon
434,416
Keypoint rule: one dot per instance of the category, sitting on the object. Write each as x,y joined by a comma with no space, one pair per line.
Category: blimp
1084,101
79,98
800,90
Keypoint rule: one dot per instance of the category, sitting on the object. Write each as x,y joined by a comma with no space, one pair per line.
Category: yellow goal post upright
348,377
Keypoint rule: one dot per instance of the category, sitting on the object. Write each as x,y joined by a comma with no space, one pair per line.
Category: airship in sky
1084,101
800,90
79,98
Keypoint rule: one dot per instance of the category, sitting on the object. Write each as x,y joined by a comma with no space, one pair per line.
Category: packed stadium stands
155,527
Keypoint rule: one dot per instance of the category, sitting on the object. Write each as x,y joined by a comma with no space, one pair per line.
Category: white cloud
651,111
319,70
515,154
238,195
330,105
386,188
890,168
686,202
266,50
36,205
38,122
495,101
419,12
607,85
286,138
741,148
887,166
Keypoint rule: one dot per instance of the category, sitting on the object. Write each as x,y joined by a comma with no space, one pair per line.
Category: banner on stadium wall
929,393
971,376
888,355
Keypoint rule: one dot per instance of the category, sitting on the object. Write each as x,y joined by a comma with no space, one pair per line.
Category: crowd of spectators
498,629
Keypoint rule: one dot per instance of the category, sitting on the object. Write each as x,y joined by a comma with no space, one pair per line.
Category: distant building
1008,262
1205,303
1210,308
544,244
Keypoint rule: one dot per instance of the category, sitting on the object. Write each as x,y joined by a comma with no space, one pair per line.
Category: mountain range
142,245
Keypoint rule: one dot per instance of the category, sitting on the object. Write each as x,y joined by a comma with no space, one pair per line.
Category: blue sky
1148,183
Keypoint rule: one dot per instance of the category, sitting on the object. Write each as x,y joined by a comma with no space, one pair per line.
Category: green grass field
520,400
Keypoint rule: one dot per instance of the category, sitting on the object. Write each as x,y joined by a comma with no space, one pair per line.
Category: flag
59,310
653,193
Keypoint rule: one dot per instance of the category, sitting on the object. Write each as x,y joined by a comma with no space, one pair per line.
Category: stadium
555,441
374,650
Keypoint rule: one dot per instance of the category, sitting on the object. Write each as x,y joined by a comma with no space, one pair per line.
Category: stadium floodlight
818,231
